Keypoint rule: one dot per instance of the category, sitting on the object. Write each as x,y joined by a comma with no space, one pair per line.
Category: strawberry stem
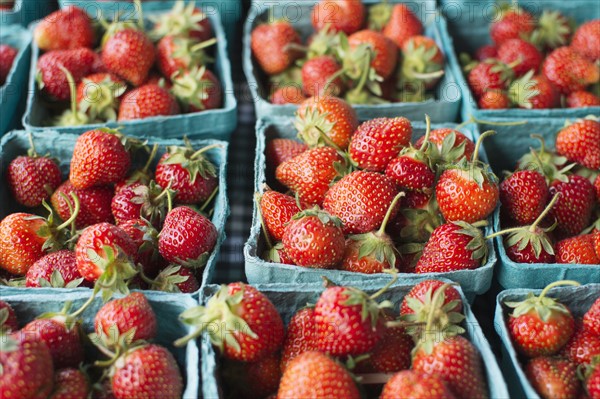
202,150
74,213
388,214
72,93
85,305
32,152
388,285
478,145
150,159
544,212
365,74
209,199
502,232
327,140
432,312
427,133
203,45
295,46
556,284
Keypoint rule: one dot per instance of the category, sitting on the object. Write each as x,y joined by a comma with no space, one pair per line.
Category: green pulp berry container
26,11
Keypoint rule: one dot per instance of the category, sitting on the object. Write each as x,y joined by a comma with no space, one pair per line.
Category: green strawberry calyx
546,162
541,305
370,309
523,90
180,21
311,125
379,16
324,42
553,29
477,245
155,201
324,217
73,116
117,269
100,100
168,279
194,161
192,87
476,170
418,64
191,52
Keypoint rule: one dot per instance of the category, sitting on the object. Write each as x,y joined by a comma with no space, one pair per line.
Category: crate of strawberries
370,203
91,216
538,59
164,74
396,341
386,58
14,67
76,346
551,340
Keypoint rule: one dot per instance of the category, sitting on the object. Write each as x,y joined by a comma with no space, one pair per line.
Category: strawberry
316,375
591,321
52,81
147,101
581,98
579,250
145,238
580,142
197,89
56,269
592,383
422,61
573,211
290,94
62,337
70,383
489,75
569,71
131,313
402,23
65,29
187,238
94,203
513,23
300,336
583,346
138,200
411,384
176,278
254,327
33,178
329,115
321,76
346,16
129,54
533,92
453,246
361,200
553,377
310,173
22,241
385,50
8,318
27,367
539,325
273,46
280,150
451,145
418,303
98,95
524,195
494,99
183,20
189,172
145,372
277,254
253,380
485,52
377,141
553,30
7,57
277,210
174,53
528,56
99,158
585,40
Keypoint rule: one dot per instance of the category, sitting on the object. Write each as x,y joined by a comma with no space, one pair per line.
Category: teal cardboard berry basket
26,11
11,92
60,146
210,124
468,23
167,307
288,300
444,107
578,299
473,282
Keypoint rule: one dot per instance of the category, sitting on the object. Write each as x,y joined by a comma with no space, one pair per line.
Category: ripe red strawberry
581,98
94,204
277,210
70,383
539,325
580,142
280,150
573,211
147,101
583,346
418,303
578,250
253,380
533,92
315,375
99,158
176,278
553,377
189,172
494,99
485,52
513,24
176,53
197,89
524,195
361,200
56,269
453,246
289,94
277,254
321,76
451,145
149,202
410,384
592,383
489,75
272,46
27,368
8,318
147,371
528,56
183,20
61,337
131,312
300,336
145,238
310,173
402,24
262,335
331,115
130,54
22,241
51,79
569,71
377,141
98,95
422,61
586,38
7,57
591,319
65,29
385,50
346,16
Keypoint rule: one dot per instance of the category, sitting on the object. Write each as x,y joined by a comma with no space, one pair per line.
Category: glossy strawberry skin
512,25
269,43
403,24
288,95
591,318
411,384
577,250
145,238
517,49
494,99
346,16
581,98
94,204
580,142
7,57
569,71
147,101
573,209
79,62
65,344
277,210
70,383
316,76
437,137
33,179
130,54
553,377
483,78
386,52
300,336
420,290
62,261
280,150
583,346
132,311
20,244
65,29
585,40
524,195
410,174
527,254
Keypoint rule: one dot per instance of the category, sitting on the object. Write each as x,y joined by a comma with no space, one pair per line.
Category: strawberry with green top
422,62
398,21
99,94
52,81
553,30
145,237
183,20
385,52
511,22
346,16
569,71
70,383
573,211
131,314
94,204
411,384
273,46
525,56
147,101
449,145
524,195
577,250
533,92
553,377
175,53
197,89
176,278
321,75
580,142
56,269
138,200
489,75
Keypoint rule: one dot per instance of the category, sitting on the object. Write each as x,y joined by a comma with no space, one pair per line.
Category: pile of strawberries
369,59
143,228
7,57
362,198
552,199
52,357
561,353
134,74
537,63
346,338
